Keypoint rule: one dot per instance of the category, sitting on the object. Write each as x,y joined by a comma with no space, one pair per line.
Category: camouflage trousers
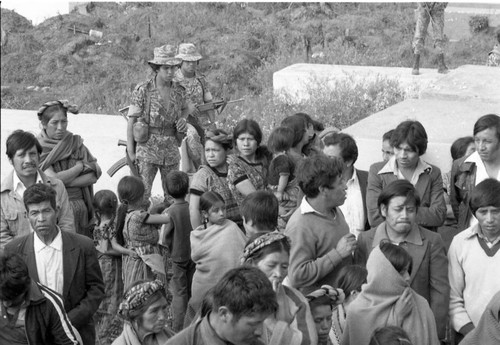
433,13
147,172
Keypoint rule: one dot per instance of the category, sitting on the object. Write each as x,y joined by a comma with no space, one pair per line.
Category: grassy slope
243,48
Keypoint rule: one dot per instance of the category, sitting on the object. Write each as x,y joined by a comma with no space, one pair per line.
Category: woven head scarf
261,242
137,297
336,296
72,108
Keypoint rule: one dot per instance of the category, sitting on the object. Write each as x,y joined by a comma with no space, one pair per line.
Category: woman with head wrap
65,157
144,309
293,322
322,303
387,300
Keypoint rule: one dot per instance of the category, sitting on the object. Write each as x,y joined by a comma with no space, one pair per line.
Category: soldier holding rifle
157,120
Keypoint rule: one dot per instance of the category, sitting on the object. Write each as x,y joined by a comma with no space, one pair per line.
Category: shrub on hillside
478,24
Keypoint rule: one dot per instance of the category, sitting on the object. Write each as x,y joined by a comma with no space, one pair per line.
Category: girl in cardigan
138,230
216,246
109,253
387,300
65,157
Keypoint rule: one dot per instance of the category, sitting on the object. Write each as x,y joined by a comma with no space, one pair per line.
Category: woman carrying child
138,230
109,252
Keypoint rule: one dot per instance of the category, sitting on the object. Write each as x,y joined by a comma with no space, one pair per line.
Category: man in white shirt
63,261
467,172
23,150
474,260
344,146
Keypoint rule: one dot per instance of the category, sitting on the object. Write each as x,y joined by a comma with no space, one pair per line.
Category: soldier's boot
441,66
416,65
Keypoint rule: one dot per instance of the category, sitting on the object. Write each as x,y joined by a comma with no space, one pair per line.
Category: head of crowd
256,240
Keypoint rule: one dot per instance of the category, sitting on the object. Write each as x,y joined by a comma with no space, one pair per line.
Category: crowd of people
284,243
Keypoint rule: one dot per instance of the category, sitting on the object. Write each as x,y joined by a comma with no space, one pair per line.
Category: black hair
486,193
244,291
390,335
413,132
14,276
387,135
50,111
318,126
460,146
209,199
398,188
262,208
280,139
488,121
350,278
252,127
105,202
318,171
346,143
298,125
21,140
177,184
130,191
37,193
397,256
282,245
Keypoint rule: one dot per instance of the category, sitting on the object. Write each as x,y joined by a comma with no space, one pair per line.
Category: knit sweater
314,260
487,331
474,278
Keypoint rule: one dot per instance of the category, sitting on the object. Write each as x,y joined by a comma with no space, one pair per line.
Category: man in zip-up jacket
29,311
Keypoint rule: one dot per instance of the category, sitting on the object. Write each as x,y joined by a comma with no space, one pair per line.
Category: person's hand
133,254
195,112
347,245
404,305
131,156
181,125
279,196
80,166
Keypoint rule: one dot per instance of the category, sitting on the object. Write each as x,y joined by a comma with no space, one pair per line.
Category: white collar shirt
49,262
481,175
19,186
392,166
353,208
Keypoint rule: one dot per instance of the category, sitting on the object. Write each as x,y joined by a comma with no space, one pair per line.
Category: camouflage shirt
197,91
159,149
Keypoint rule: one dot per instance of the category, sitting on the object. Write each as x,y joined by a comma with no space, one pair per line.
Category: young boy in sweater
176,237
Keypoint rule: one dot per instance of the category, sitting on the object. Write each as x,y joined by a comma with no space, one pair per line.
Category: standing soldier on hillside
433,12
157,120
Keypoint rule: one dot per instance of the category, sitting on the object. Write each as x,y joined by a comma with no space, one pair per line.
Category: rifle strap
147,107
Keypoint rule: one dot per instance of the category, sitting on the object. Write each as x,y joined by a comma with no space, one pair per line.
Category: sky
37,10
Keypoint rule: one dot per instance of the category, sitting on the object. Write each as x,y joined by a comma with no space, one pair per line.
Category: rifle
217,104
125,160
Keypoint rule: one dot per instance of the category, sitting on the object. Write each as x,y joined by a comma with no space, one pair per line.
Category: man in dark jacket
65,262
30,312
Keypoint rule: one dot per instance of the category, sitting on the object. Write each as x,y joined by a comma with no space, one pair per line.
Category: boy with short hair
260,211
176,237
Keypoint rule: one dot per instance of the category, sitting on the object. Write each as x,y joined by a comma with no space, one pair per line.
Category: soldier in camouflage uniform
432,12
198,92
163,105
